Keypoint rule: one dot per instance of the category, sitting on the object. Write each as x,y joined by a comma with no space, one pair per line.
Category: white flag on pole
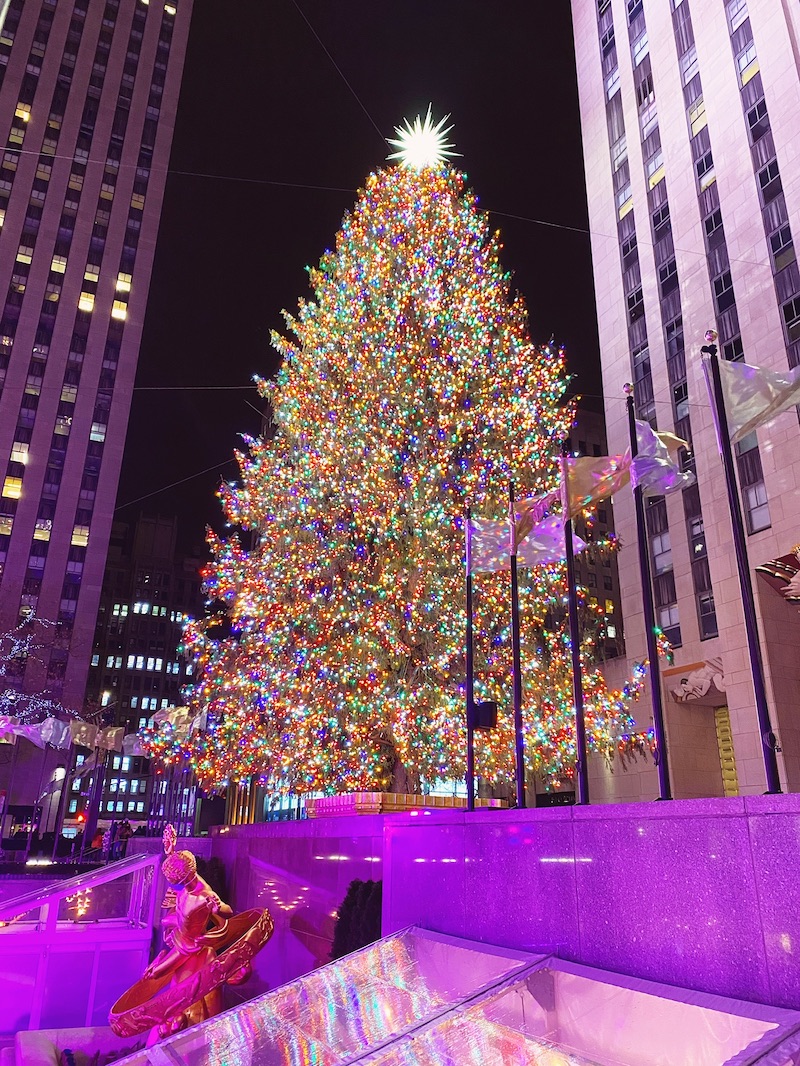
753,397
490,544
655,467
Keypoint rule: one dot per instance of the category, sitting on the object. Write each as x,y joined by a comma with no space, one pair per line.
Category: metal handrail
45,894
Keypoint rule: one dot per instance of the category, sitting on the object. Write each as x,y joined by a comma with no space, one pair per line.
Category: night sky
270,147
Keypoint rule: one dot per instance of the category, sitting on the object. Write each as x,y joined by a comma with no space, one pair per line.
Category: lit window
6,524
12,488
76,785
116,762
110,805
92,273
86,301
119,309
59,264
98,432
611,631
113,784
95,659
137,201
42,529
698,119
124,282
120,807
131,806
123,784
134,786
140,662
131,661
747,62
139,807
80,536
159,664
126,764
142,721
150,663
109,662
73,806
105,699
170,9
19,452
25,254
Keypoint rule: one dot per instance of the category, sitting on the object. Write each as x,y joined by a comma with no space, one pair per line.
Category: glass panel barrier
338,1012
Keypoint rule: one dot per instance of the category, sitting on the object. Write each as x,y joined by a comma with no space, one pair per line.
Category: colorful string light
410,388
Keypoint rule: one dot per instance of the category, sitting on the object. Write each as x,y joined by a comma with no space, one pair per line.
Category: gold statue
206,946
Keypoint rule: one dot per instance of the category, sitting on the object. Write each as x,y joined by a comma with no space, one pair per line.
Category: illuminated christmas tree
411,389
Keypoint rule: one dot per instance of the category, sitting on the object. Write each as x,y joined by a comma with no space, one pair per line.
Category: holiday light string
411,387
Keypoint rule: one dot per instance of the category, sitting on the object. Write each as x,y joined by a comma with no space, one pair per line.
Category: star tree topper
422,143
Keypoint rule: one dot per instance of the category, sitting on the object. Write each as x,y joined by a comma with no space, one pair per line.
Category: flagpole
662,762
581,757
519,742
768,739
470,672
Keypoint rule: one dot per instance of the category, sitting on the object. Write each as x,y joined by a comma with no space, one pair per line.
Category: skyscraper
689,117
88,95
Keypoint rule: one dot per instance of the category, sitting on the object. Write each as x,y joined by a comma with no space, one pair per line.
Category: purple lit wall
700,893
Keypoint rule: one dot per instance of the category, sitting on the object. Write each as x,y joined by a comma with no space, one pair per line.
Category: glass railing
69,949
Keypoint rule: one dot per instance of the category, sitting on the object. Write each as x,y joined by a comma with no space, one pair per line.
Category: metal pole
662,762
519,739
470,673
581,756
768,739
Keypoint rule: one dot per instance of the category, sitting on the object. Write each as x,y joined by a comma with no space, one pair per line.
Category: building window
758,120
782,248
737,13
713,223
668,276
688,64
754,491
747,63
791,319
723,291
769,181
733,351
707,615
705,169
661,551
635,305
12,488
698,119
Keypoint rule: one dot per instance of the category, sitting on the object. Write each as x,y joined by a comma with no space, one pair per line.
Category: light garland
412,388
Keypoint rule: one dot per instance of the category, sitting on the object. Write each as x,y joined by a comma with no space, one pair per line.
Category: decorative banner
529,513
83,733
32,732
753,397
7,734
544,544
55,732
132,745
179,718
110,739
655,468
595,478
